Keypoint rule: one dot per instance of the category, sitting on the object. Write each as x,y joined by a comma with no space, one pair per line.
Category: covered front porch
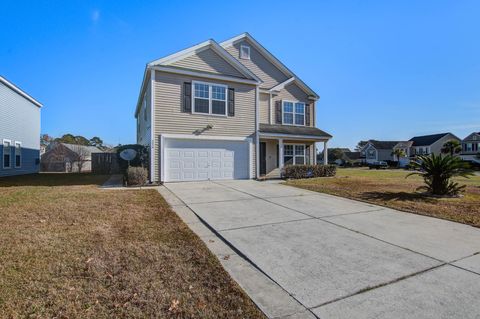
278,147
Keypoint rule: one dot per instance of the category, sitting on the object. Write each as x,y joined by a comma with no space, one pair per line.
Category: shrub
306,171
437,172
136,176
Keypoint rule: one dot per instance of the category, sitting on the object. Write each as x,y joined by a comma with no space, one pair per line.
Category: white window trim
293,113
3,146
210,99
241,50
15,155
294,156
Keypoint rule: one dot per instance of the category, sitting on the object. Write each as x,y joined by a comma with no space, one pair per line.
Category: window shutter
187,97
278,112
231,102
307,114
307,155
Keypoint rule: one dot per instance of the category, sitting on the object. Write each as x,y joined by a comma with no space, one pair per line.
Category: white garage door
195,160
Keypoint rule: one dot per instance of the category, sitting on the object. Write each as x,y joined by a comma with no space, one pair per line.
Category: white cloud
95,15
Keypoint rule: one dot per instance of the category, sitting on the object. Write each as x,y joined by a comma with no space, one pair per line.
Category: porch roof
294,131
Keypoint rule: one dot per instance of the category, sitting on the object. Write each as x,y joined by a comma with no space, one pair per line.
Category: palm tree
437,171
452,147
398,152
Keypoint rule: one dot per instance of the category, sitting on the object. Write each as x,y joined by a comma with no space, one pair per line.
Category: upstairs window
209,99
7,153
18,154
245,52
293,113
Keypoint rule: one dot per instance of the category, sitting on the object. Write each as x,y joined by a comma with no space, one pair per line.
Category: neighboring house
428,144
227,110
375,151
471,148
19,131
406,148
68,158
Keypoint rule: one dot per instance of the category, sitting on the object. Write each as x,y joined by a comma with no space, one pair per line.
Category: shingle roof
88,149
292,130
427,139
383,145
406,144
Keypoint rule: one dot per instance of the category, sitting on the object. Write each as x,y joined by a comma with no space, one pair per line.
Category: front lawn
78,251
390,188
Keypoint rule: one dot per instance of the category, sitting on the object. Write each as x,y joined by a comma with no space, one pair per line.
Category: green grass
390,188
72,250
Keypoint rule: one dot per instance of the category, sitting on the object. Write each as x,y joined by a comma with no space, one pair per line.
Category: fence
105,163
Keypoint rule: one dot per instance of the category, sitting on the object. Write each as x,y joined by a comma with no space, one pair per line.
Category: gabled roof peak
209,44
269,56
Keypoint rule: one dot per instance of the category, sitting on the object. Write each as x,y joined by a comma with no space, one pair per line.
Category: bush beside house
307,171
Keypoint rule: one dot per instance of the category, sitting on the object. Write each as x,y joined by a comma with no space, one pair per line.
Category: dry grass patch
390,188
81,252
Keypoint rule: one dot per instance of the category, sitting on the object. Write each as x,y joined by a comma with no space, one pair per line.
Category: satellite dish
128,154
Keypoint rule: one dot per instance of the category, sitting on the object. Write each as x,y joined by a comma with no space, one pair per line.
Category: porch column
325,153
280,153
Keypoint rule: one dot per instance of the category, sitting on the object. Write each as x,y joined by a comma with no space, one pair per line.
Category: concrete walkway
301,254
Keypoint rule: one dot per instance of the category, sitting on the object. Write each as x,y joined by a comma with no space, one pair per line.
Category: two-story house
227,110
19,131
428,144
471,148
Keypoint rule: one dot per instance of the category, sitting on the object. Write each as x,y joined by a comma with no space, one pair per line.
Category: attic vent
245,52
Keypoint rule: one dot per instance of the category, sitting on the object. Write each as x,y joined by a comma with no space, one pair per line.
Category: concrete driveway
339,258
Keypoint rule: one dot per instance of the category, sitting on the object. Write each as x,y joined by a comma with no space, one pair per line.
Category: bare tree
80,155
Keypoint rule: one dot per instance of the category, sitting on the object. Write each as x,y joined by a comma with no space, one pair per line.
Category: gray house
19,131
471,148
228,110
375,151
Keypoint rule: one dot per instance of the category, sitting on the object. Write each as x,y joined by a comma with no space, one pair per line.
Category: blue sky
384,69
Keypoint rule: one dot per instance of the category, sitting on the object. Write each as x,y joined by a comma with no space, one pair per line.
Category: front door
263,158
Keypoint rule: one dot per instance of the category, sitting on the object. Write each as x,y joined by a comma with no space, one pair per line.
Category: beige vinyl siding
259,65
293,92
436,147
208,61
264,100
170,120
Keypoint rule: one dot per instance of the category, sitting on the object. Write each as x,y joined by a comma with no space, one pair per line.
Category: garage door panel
188,164
190,160
174,164
188,154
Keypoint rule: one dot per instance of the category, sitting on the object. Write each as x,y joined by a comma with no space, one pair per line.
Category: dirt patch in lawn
82,252
390,188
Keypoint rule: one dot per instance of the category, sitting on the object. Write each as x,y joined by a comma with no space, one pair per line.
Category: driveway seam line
267,224
243,256
384,241
361,291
